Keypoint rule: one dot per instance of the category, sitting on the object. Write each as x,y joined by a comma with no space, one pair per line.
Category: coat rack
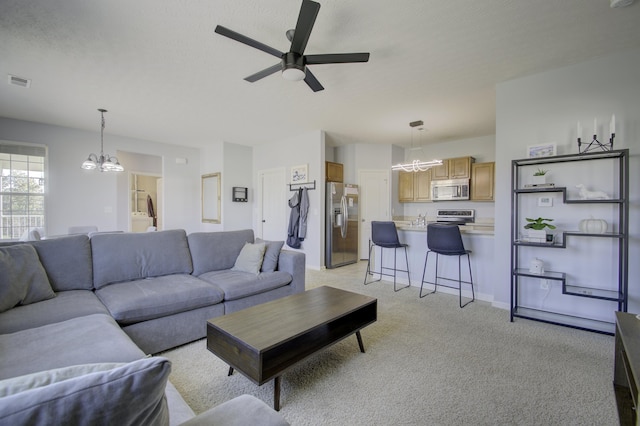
296,186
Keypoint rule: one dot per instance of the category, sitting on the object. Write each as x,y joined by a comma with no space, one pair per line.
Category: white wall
80,197
308,148
237,171
545,108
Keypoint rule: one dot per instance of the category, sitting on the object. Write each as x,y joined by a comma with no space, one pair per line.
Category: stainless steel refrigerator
341,224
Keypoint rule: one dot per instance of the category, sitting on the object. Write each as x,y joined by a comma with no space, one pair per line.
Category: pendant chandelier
416,165
102,162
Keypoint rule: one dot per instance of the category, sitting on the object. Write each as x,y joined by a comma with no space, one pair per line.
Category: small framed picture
299,174
545,201
546,150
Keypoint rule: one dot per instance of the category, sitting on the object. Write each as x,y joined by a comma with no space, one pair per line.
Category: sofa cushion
66,305
23,279
271,255
90,339
214,251
142,300
236,284
132,256
67,261
122,394
250,258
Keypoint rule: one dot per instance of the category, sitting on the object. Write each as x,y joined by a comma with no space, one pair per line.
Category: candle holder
595,145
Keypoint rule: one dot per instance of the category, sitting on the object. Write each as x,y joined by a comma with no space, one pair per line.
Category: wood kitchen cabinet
414,186
453,168
482,181
334,172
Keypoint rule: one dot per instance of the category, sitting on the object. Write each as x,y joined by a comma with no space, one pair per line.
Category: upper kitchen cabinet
453,168
334,172
414,186
482,181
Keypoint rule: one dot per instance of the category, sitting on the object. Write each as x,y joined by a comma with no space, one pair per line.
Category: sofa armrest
293,262
240,411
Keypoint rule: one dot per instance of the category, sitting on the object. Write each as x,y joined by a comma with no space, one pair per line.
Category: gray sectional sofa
80,317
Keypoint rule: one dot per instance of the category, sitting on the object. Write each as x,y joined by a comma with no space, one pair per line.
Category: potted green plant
536,229
540,176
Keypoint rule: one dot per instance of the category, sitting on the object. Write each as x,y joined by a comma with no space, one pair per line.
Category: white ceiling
164,75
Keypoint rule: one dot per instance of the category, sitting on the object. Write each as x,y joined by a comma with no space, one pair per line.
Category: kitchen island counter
480,242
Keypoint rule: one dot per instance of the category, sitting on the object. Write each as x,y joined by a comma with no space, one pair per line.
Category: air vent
19,81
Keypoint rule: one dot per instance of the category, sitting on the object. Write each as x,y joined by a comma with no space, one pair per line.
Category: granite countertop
475,228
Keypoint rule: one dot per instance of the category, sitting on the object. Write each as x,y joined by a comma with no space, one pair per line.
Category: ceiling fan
293,63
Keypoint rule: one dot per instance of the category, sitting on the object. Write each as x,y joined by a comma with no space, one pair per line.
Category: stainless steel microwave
453,189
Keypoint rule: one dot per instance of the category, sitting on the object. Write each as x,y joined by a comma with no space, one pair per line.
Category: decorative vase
593,226
536,266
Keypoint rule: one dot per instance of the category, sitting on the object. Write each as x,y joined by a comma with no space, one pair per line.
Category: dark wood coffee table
263,341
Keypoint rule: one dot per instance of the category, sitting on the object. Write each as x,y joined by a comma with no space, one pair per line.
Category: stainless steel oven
453,189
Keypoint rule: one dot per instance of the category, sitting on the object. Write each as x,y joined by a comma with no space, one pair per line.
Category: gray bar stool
446,240
385,235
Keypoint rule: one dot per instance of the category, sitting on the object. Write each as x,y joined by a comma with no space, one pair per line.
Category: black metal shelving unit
518,272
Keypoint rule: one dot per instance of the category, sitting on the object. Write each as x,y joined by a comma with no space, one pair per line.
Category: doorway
145,202
272,207
375,202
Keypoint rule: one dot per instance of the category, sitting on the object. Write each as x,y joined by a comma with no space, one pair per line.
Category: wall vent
19,81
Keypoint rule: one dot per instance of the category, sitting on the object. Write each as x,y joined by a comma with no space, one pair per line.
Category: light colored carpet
427,362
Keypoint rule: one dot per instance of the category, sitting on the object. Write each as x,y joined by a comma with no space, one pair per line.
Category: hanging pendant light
102,162
416,165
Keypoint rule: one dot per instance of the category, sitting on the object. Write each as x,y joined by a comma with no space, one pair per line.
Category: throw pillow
250,258
122,394
23,279
271,255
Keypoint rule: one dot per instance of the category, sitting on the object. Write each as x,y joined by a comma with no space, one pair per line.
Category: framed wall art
299,174
545,150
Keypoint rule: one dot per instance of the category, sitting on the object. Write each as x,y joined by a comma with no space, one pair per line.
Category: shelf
610,201
593,293
539,190
586,234
571,157
565,320
548,275
546,245
605,297
565,200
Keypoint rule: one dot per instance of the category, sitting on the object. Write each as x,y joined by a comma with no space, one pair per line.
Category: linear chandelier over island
416,165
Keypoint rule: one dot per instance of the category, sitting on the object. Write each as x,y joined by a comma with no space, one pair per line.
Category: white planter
539,180
537,235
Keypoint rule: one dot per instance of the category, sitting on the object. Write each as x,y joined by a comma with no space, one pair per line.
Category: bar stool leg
424,272
369,272
473,294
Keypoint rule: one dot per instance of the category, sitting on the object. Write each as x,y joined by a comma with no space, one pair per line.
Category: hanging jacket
304,211
293,237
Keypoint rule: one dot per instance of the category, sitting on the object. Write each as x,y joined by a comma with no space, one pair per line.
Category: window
22,171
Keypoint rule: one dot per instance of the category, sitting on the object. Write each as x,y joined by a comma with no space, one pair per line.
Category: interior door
272,205
375,203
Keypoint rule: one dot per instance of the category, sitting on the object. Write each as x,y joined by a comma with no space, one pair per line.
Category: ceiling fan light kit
293,63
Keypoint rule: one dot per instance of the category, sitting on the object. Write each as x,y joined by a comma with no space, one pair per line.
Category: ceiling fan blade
336,58
248,41
264,73
312,81
306,19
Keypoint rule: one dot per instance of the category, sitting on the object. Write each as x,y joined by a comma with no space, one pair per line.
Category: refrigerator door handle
345,214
